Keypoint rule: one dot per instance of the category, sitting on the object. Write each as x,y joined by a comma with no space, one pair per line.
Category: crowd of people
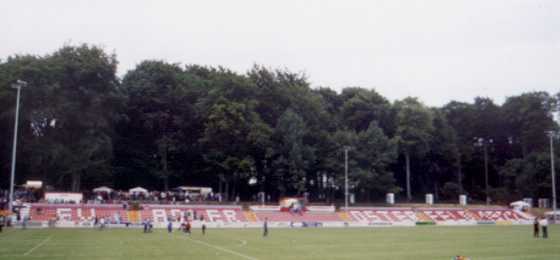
155,197
22,195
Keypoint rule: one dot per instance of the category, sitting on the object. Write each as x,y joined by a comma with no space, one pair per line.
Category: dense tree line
163,125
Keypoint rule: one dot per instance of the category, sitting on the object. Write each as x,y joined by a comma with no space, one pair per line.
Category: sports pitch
424,242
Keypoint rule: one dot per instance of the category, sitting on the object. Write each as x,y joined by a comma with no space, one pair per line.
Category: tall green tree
374,153
159,108
443,156
413,134
293,157
527,117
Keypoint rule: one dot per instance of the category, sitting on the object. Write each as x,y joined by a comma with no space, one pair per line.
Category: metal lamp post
346,148
18,85
484,143
552,134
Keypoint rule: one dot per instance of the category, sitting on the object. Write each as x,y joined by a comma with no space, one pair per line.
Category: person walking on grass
536,228
265,227
102,223
169,226
203,228
2,219
188,228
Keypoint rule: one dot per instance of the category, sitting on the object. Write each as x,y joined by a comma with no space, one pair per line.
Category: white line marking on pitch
38,245
243,243
222,249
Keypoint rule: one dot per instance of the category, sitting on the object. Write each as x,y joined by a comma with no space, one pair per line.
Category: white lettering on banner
213,215
404,215
230,215
497,215
64,213
512,215
91,213
371,216
445,215
358,216
463,215
159,215
383,215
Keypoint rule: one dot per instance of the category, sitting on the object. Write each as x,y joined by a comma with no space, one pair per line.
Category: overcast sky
436,50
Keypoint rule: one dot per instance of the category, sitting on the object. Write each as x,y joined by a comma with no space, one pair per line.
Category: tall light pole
552,134
346,148
484,143
18,85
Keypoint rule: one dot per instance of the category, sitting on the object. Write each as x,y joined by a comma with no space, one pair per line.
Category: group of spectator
153,197
21,195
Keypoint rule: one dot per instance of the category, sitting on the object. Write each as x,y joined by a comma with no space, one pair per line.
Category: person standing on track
265,227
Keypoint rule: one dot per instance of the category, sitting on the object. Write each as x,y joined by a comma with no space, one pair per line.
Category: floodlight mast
18,85
483,142
346,148
551,135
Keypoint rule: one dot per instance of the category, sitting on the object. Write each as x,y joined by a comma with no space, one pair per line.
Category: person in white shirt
544,225
102,223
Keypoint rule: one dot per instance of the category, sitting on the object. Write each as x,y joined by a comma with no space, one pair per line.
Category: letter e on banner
213,215
230,215
159,215
64,213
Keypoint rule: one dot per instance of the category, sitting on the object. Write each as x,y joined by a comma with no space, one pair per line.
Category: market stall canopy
520,204
33,184
138,190
195,190
103,189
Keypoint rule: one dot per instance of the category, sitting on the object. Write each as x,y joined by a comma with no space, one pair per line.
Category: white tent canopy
520,204
103,189
138,190
195,190
554,216
33,184
551,213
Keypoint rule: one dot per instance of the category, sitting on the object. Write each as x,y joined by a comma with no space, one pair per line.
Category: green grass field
427,242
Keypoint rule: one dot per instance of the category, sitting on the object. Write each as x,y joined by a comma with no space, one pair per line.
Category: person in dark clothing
2,220
169,226
145,226
203,229
265,227
188,228
536,228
